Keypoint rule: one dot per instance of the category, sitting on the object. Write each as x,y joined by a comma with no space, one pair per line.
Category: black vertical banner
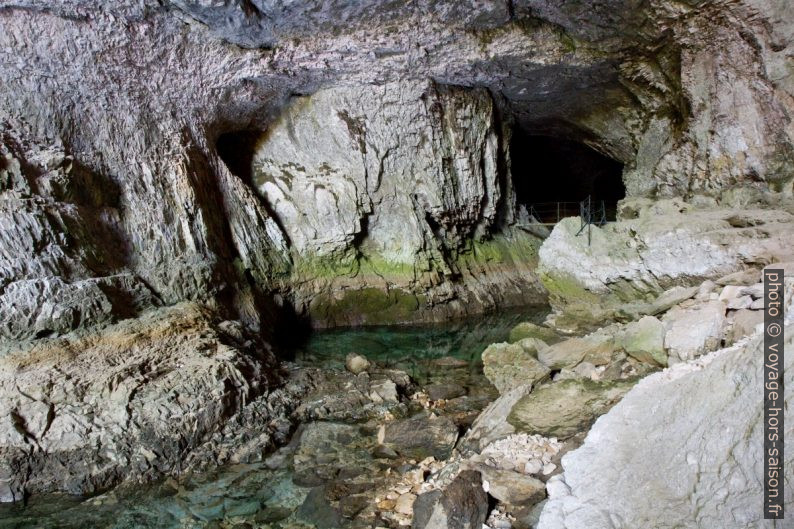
773,393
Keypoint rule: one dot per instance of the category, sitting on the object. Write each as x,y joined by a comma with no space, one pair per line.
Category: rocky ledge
175,390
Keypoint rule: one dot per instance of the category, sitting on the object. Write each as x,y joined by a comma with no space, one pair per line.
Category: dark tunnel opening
551,176
237,150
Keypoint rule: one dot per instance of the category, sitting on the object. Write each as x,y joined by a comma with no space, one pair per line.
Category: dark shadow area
237,150
291,332
554,174
286,329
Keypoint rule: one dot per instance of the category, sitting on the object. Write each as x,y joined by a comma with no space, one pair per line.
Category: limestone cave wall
114,197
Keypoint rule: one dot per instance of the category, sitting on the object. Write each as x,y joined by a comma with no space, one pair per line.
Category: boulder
564,408
532,345
730,292
325,450
586,370
531,330
745,322
405,504
355,363
353,504
742,302
317,510
755,291
463,504
595,348
671,297
444,391
420,436
662,303
644,340
492,424
742,277
694,331
512,487
511,365
383,391
704,465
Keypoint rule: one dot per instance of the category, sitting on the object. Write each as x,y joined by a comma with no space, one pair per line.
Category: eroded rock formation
239,160
111,115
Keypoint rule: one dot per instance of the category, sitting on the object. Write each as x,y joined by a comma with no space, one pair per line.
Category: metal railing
553,212
589,211
591,214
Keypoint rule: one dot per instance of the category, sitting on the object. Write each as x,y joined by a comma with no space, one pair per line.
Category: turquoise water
410,348
253,495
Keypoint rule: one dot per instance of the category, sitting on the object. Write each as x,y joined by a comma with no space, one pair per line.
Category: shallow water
251,495
409,348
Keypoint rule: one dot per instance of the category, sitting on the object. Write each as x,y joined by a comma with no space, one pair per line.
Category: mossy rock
565,290
644,340
567,407
508,366
367,305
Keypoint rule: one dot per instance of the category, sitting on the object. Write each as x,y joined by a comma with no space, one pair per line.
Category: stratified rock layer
145,398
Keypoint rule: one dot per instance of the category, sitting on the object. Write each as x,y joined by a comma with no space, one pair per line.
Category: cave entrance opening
552,176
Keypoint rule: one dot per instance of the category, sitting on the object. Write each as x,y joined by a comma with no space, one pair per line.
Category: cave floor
336,453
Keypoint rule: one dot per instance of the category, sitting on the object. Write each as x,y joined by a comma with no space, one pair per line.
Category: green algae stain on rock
367,305
503,250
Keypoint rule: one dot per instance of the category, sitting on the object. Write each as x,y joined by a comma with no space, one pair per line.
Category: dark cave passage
237,150
552,175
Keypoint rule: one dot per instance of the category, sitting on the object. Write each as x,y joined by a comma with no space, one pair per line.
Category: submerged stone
355,363
463,504
531,330
444,391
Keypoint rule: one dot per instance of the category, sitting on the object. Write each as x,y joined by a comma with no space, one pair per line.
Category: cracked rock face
382,168
402,186
670,243
144,398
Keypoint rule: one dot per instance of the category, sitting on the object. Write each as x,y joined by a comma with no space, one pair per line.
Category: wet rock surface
421,436
643,264
176,177
463,504
710,449
398,444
